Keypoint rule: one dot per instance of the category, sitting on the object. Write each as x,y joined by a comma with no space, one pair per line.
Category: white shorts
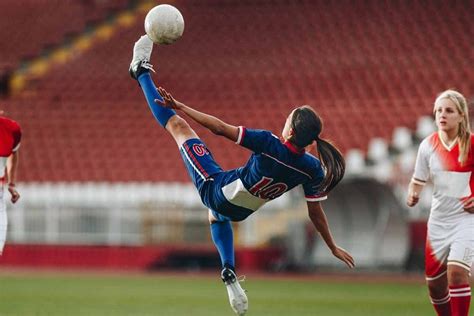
451,244
3,216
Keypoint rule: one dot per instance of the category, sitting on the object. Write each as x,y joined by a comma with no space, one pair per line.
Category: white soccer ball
164,24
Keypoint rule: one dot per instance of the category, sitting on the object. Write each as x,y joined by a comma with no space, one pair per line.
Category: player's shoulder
429,141
9,123
313,163
245,131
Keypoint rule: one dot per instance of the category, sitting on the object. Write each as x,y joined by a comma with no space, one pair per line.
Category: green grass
142,295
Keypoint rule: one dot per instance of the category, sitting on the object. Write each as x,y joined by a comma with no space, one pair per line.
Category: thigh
199,162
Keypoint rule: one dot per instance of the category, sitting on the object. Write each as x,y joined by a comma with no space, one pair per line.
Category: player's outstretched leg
140,70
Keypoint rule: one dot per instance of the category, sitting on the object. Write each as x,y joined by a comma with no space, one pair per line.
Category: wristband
11,185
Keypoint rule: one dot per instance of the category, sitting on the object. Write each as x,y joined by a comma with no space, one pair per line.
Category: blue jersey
273,169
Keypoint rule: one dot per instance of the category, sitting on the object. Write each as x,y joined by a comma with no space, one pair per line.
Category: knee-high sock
223,238
442,306
460,299
161,114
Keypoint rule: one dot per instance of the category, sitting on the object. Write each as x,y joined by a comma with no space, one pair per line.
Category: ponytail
307,125
333,162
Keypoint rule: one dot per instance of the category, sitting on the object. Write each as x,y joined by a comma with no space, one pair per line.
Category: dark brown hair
307,125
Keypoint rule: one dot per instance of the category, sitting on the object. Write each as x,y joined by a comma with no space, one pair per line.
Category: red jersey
10,136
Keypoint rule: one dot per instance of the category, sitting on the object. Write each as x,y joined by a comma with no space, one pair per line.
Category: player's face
447,116
287,128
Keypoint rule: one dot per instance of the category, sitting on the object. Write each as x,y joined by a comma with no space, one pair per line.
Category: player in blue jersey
274,167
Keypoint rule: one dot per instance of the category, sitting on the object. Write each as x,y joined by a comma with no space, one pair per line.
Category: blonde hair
464,129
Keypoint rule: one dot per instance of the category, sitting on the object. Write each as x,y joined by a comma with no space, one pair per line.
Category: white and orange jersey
452,182
10,136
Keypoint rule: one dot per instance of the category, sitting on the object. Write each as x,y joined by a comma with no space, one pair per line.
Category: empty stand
366,67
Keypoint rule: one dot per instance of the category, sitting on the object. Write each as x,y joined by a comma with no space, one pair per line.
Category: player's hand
412,199
468,205
344,256
168,100
14,193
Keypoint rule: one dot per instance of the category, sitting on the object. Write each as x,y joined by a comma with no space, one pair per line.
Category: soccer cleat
141,57
237,298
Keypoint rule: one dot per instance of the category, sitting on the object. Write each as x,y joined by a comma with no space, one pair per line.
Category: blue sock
161,114
223,238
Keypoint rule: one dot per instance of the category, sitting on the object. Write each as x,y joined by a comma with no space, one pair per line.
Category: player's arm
214,124
414,191
421,173
12,166
320,222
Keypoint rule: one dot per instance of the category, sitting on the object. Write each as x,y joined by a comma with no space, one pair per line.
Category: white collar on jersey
450,146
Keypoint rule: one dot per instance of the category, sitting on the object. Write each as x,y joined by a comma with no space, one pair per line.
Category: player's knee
180,129
458,276
438,287
177,124
212,219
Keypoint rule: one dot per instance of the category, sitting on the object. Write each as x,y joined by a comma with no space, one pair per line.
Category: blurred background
103,186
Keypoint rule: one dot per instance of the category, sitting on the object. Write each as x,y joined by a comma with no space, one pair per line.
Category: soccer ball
164,24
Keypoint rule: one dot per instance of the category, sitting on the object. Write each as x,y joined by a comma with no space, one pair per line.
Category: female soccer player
10,136
447,158
273,168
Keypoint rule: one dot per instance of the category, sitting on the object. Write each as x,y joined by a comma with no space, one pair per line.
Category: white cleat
141,57
237,297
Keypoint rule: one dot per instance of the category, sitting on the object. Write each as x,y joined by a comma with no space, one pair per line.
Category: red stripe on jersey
314,196
10,134
242,135
293,148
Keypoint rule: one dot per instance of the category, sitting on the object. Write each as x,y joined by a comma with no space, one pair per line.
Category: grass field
70,294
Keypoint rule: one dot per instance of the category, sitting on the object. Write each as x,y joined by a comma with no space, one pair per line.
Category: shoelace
241,279
145,64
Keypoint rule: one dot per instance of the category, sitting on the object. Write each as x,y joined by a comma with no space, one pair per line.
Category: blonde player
447,158
10,136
